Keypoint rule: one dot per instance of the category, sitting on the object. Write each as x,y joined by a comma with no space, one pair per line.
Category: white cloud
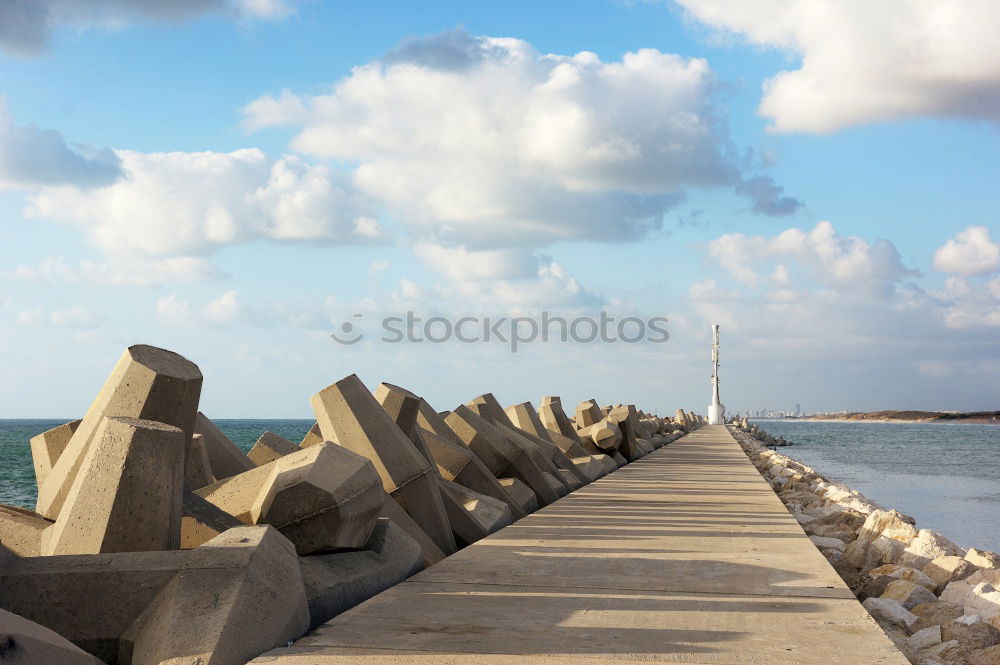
462,265
26,25
970,252
864,62
484,141
30,157
224,310
220,312
183,204
492,278
76,316
847,264
120,271
823,313
971,303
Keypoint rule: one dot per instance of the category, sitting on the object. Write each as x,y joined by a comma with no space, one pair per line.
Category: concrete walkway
686,556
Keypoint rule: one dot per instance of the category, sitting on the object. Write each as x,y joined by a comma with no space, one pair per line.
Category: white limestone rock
913,575
947,569
983,558
927,546
889,612
828,543
908,594
984,601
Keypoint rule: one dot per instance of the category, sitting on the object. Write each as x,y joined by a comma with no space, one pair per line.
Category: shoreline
873,421
938,602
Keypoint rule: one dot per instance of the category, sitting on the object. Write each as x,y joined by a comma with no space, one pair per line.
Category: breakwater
937,601
155,539
947,476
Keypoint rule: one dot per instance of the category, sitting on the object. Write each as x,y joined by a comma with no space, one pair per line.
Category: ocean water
17,474
946,476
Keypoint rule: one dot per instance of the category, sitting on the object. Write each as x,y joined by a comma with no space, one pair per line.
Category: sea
946,476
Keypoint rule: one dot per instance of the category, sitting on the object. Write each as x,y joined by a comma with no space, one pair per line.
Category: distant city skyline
236,180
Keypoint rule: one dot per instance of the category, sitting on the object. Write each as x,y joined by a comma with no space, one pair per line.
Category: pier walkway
685,556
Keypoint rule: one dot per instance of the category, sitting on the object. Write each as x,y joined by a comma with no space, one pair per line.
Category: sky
242,181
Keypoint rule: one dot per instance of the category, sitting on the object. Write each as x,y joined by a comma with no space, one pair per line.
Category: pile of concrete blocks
156,539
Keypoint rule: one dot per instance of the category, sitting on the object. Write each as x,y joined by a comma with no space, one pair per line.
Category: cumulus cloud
26,25
514,277
484,141
970,252
971,304
186,204
31,157
846,264
864,62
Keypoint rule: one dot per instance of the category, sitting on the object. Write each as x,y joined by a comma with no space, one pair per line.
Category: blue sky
234,179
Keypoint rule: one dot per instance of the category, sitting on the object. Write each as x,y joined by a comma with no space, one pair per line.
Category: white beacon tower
716,410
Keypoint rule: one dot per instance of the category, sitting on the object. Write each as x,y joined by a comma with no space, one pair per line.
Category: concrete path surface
685,556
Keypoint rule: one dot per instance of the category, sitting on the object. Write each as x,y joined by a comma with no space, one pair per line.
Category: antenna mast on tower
716,411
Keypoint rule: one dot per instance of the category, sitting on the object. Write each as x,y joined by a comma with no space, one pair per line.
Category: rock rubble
939,603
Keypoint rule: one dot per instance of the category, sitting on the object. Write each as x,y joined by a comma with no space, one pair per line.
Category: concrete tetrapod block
588,413
224,457
197,468
549,457
432,421
237,495
542,453
627,419
404,407
270,447
429,550
524,417
216,615
127,494
148,383
202,521
573,446
556,483
577,451
565,453
322,498
525,497
90,599
473,516
555,419
348,412
491,409
604,434
335,583
312,437
458,464
48,446
21,530
503,457
24,642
